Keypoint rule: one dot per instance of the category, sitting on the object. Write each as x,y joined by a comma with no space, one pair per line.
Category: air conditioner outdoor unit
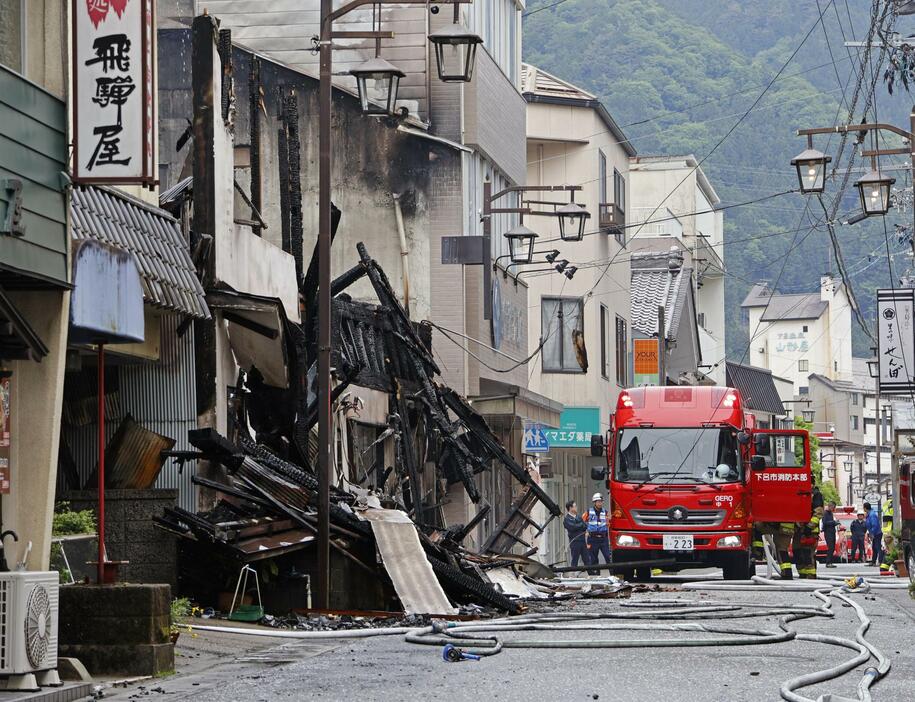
28,629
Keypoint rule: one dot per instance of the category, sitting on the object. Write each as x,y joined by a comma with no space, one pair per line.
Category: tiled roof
778,307
153,237
808,306
654,283
535,80
756,387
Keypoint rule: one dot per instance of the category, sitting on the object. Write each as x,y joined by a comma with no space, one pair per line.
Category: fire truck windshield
706,454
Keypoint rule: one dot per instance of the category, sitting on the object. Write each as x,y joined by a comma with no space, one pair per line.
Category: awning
498,399
18,341
154,238
256,328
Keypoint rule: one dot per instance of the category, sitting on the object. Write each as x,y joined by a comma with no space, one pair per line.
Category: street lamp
808,415
811,168
572,218
378,81
521,243
455,50
873,367
874,189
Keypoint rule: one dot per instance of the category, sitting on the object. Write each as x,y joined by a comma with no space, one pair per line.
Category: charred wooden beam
255,105
293,144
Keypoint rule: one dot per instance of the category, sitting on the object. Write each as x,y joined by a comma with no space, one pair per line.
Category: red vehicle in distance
845,516
688,473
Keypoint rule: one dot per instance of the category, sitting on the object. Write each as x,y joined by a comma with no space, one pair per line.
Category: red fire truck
688,473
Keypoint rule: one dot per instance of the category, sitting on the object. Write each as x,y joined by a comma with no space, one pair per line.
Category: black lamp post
455,50
811,168
572,218
521,244
378,81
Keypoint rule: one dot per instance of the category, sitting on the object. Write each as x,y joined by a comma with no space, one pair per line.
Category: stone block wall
130,533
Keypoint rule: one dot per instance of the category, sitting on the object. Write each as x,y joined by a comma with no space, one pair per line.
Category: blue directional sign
534,439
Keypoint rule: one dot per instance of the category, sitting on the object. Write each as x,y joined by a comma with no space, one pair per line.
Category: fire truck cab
688,473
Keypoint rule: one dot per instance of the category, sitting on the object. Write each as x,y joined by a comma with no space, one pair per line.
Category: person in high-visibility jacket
806,537
887,544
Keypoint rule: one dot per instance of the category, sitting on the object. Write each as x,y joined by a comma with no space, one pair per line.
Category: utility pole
325,418
662,348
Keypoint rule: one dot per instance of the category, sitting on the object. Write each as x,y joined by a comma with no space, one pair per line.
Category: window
602,176
854,422
619,190
803,390
12,35
804,328
803,365
561,317
835,366
622,352
604,341
854,399
700,318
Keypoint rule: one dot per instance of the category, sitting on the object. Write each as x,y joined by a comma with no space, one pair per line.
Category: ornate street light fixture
455,51
874,189
811,169
572,218
521,244
378,81
808,415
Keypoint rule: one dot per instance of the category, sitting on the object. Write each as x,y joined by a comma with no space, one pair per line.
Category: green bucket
247,613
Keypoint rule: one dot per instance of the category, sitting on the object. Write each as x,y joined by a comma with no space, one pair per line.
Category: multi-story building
846,414
572,139
673,204
798,334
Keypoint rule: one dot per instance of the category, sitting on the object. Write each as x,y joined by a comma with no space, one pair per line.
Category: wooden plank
33,134
32,100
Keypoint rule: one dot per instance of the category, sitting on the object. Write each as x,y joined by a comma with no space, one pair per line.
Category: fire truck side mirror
597,446
598,473
758,463
762,444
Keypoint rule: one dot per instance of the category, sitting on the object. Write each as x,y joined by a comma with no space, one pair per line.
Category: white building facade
674,204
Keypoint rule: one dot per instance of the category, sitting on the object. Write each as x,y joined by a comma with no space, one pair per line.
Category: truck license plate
678,542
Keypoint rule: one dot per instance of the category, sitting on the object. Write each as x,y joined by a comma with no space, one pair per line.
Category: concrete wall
494,118
36,395
576,161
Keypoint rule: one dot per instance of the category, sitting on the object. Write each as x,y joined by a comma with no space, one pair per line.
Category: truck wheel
739,566
910,565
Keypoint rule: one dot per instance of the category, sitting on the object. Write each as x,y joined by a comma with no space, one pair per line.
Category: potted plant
180,609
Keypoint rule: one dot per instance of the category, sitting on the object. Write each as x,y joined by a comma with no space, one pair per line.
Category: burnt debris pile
392,547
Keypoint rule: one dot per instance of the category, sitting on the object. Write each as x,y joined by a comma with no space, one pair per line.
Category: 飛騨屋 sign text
113,98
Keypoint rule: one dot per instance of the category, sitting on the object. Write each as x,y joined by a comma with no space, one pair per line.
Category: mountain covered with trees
679,75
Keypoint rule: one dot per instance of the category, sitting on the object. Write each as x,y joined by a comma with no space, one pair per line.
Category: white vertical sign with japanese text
896,340
113,93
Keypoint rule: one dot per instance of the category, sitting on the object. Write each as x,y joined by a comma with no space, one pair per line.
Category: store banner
113,100
645,362
896,341
576,425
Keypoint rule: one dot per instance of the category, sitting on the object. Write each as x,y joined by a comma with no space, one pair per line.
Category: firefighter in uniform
806,537
781,533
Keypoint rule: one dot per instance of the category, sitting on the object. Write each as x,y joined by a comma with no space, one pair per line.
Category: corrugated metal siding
283,31
161,397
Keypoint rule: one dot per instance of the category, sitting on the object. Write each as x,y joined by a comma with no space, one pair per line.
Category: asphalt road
390,669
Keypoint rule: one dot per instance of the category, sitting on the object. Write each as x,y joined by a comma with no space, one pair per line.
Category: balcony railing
613,220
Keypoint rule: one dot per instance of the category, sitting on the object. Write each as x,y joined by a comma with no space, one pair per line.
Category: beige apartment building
573,140
673,204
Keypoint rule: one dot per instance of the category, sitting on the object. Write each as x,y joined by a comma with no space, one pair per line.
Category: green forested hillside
678,74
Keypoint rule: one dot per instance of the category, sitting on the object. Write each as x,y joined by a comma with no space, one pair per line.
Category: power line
541,9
